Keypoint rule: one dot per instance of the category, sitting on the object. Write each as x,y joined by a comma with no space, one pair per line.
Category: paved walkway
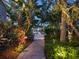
34,51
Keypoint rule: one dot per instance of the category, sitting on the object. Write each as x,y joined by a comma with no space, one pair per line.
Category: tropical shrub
56,50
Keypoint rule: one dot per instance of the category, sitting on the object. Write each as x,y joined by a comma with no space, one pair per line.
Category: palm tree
63,23
67,19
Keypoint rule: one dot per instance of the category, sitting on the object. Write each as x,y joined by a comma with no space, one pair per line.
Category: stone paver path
34,51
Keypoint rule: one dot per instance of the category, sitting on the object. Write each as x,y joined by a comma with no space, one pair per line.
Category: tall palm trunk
62,28
63,23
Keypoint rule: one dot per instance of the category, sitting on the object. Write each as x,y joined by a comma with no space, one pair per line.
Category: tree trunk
75,30
28,21
19,19
63,23
62,28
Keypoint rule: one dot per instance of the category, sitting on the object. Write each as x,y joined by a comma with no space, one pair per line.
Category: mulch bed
10,52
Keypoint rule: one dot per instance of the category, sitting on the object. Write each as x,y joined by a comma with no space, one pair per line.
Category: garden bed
11,52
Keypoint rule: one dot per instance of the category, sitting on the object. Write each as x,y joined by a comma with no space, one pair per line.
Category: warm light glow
19,48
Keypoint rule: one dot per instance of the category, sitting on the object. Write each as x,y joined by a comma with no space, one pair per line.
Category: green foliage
60,52
65,52
56,9
10,35
56,13
56,50
74,12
